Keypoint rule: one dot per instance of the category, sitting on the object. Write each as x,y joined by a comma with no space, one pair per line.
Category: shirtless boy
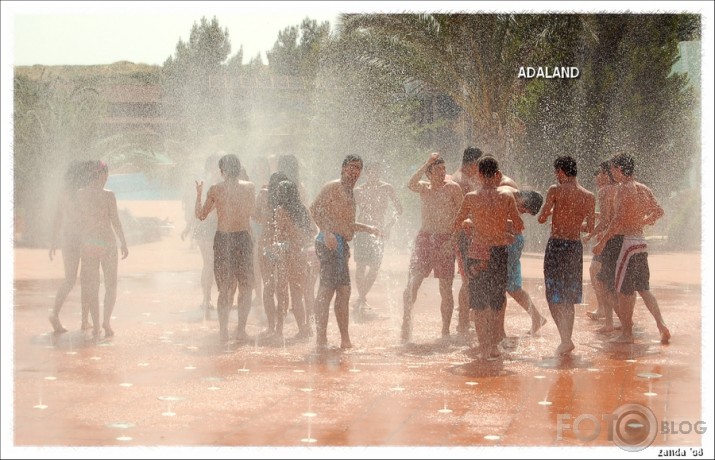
493,211
333,211
433,246
234,200
372,198
607,188
569,205
623,248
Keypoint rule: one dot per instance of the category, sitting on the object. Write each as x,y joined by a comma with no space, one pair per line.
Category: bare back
491,210
606,199
98,215
635,207
569,205
234,201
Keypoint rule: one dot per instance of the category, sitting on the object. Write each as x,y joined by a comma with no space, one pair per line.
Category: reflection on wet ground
164,379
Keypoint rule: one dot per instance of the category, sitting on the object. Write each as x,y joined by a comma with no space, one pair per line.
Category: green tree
194,80
54,121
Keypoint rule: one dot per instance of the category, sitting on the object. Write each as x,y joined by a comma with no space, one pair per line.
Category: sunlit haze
101,33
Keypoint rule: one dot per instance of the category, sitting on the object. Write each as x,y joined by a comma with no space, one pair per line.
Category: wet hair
566,164
95,168
77,174
275,179
288,164
488,166
438,161
350,158
288,197
471,155
230,165
605,168
530,200
625,163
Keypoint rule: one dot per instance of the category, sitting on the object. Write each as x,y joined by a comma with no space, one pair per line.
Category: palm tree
472,58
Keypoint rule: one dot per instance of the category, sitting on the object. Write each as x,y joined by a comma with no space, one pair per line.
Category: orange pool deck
165,382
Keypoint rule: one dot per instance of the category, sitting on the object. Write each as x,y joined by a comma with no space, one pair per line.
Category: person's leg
626,302
322,311
70,260
652,305
563,315
245,289
608,302
408,301
269,290
593,271
207,271
463,306
110,263
297,295
360,282
225,281
447,304
242,268
342,314
309,293
89,281
524,300
282,296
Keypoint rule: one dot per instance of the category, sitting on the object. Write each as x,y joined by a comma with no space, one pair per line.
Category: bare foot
108,332
536,326
565,348
664,335
595,315
605,329
86,326
346,344
623,338
56,325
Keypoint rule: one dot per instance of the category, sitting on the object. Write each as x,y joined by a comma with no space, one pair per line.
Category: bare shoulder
503,188
508,181
248,185
452,185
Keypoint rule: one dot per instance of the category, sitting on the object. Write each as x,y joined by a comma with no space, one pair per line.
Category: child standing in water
66,222
100,228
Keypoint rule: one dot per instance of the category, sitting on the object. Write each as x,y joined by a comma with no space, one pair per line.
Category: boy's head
530,200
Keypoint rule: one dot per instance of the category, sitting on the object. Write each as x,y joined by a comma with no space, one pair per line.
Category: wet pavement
164,379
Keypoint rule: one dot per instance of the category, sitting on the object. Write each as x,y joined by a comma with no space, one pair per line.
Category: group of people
86,227
472,217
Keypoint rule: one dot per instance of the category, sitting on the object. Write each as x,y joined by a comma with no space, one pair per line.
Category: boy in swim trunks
569,205
623,248
234,200
372,199
333,211
493,212
433,250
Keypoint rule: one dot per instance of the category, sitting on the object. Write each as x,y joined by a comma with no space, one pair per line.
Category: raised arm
414,184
